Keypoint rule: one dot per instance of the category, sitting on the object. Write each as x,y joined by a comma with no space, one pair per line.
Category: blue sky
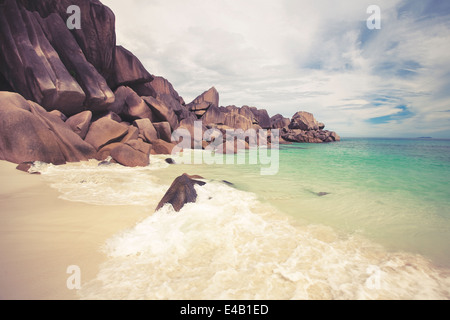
292,55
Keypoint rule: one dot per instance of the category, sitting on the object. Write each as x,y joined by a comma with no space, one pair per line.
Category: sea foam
229,245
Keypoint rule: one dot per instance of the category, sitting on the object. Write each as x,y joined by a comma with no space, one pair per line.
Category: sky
299,55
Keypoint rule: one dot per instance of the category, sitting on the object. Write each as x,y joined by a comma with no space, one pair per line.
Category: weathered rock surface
262,117
128,69
304,121
29,133
237,121
279,122
213,116
129,106
146,130
96,38
80,123
164,132
304,128
161,112
105,131
98,95
168,96
181,192
131,154
31,65
203,102
162,147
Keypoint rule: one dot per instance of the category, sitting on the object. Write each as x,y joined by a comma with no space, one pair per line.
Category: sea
358,219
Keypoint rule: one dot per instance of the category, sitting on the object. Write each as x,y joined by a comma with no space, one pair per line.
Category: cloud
291,55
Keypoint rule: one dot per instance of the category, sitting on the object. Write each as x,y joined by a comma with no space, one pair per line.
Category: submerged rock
170,161
181,191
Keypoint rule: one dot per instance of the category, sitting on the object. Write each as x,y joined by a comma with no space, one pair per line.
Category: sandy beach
41,235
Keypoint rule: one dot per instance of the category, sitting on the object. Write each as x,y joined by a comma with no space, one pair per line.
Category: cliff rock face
31,65
97,36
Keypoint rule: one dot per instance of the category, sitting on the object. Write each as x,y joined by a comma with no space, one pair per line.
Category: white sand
41,235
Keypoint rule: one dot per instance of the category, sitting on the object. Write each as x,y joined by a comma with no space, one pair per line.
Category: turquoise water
393,191
359,219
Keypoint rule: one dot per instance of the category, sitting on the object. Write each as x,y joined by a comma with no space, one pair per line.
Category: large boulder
163,129
310,136
128,69
304,121
279,122
181,192
163,91
147,130
105,131
30,63
161,112
129,106
29,133
80,123
237,121
129,156
213,116
203,102
162,147
262,118
133,134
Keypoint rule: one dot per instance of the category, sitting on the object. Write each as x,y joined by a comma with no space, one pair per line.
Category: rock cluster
73,95
305,128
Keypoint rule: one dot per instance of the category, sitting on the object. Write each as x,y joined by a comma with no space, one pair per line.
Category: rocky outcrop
96,38
61,107
167,95
164,132
29,133
98,95
279,122
146,130
162,147
80,123
128,69
262,118
105,131
304,121
129,106
135,153
181,192
213,116
203,102
304,128
237,121
31,64
161,112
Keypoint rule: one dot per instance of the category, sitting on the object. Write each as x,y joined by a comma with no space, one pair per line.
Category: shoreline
42,235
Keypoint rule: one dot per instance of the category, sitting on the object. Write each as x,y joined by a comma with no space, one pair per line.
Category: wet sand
42,235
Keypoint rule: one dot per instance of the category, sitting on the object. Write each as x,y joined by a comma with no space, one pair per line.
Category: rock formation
181,192
73,95
305,128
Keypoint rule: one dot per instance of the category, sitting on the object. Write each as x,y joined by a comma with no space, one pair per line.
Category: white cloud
293,55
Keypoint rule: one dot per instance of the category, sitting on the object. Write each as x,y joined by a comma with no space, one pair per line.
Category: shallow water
381,232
